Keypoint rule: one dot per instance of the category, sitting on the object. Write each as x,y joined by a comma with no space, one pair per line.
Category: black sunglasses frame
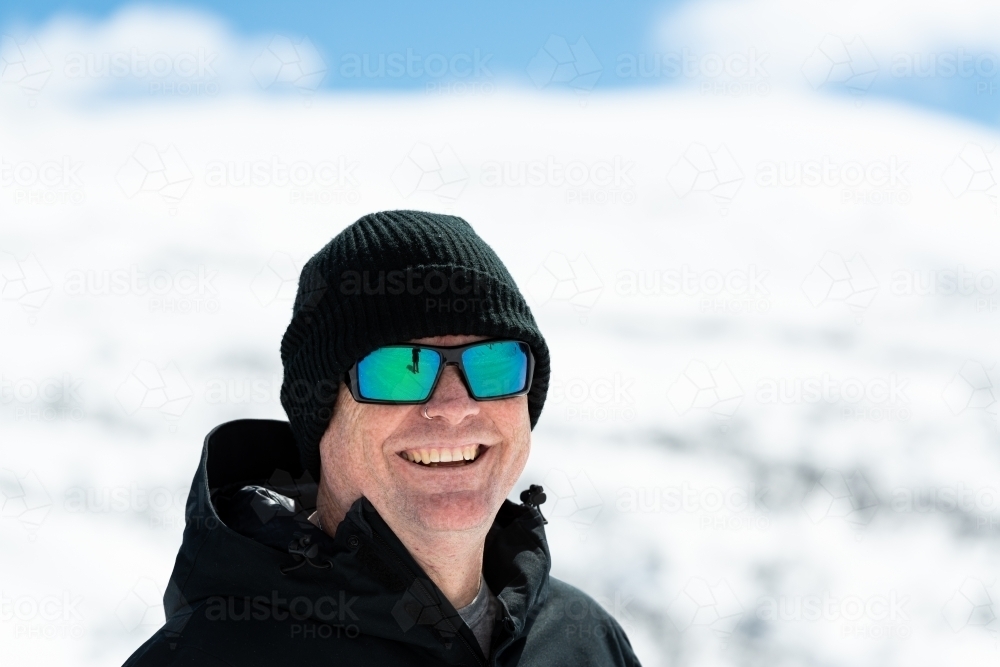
451,355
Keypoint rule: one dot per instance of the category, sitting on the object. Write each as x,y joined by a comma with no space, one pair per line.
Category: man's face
368,449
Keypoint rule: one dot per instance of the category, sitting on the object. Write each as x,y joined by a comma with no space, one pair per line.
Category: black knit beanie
388,278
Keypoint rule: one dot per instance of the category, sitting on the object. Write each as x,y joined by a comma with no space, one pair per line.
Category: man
414,373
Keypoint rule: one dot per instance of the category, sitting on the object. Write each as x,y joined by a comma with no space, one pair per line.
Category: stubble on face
368,450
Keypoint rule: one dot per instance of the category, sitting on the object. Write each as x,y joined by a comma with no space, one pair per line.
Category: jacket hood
362,578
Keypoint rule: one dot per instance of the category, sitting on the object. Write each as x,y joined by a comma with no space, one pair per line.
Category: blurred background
760,237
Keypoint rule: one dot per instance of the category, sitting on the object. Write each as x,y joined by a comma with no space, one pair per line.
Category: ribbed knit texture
341,314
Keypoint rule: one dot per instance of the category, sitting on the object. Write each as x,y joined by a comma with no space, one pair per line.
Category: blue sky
508,35
511,32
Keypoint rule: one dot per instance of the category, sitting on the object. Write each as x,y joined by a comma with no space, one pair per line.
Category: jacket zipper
388,550
508,622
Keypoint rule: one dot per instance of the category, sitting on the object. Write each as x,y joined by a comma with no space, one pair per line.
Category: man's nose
451,400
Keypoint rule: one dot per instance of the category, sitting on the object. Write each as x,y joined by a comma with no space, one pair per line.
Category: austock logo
871,182
860,617
981,503
702,170
974,170
25,282
835,280
414,65
49,616
971,606
335,613
875,399
185,291
150,388
585,182
256,390
838,496
142,606
437,172
421,605
163,506
600,399
296,64
277,280
183,74
702,606
24,499
736,291
981,67
47,182
561,279
838,63
974,387
583,618
947,282
23,63
323,182
573,498
558,62
733,508
736,73
150,170
443,291
48,399
704,387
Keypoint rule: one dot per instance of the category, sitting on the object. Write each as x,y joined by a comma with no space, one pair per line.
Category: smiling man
373,528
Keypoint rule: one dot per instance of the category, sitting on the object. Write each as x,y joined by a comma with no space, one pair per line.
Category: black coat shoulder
574,629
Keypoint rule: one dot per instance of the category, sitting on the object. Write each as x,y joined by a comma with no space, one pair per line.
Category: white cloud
788,31
146,51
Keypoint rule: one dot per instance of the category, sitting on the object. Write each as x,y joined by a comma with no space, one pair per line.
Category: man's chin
451,511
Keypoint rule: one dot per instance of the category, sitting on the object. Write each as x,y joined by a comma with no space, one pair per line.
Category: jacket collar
365,576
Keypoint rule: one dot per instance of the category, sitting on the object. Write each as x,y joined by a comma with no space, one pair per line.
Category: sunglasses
408,374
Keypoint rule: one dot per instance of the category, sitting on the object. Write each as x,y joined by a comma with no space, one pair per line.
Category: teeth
442,454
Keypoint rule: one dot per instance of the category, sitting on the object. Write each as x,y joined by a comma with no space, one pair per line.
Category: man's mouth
444,456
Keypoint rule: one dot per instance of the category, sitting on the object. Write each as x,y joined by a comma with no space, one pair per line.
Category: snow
764,400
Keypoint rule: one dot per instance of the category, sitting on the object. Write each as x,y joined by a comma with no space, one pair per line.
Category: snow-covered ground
772,432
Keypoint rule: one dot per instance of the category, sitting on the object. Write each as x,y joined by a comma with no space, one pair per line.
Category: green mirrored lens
496,369
398,374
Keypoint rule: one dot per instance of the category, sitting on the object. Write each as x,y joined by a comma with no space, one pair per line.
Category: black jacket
255,584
